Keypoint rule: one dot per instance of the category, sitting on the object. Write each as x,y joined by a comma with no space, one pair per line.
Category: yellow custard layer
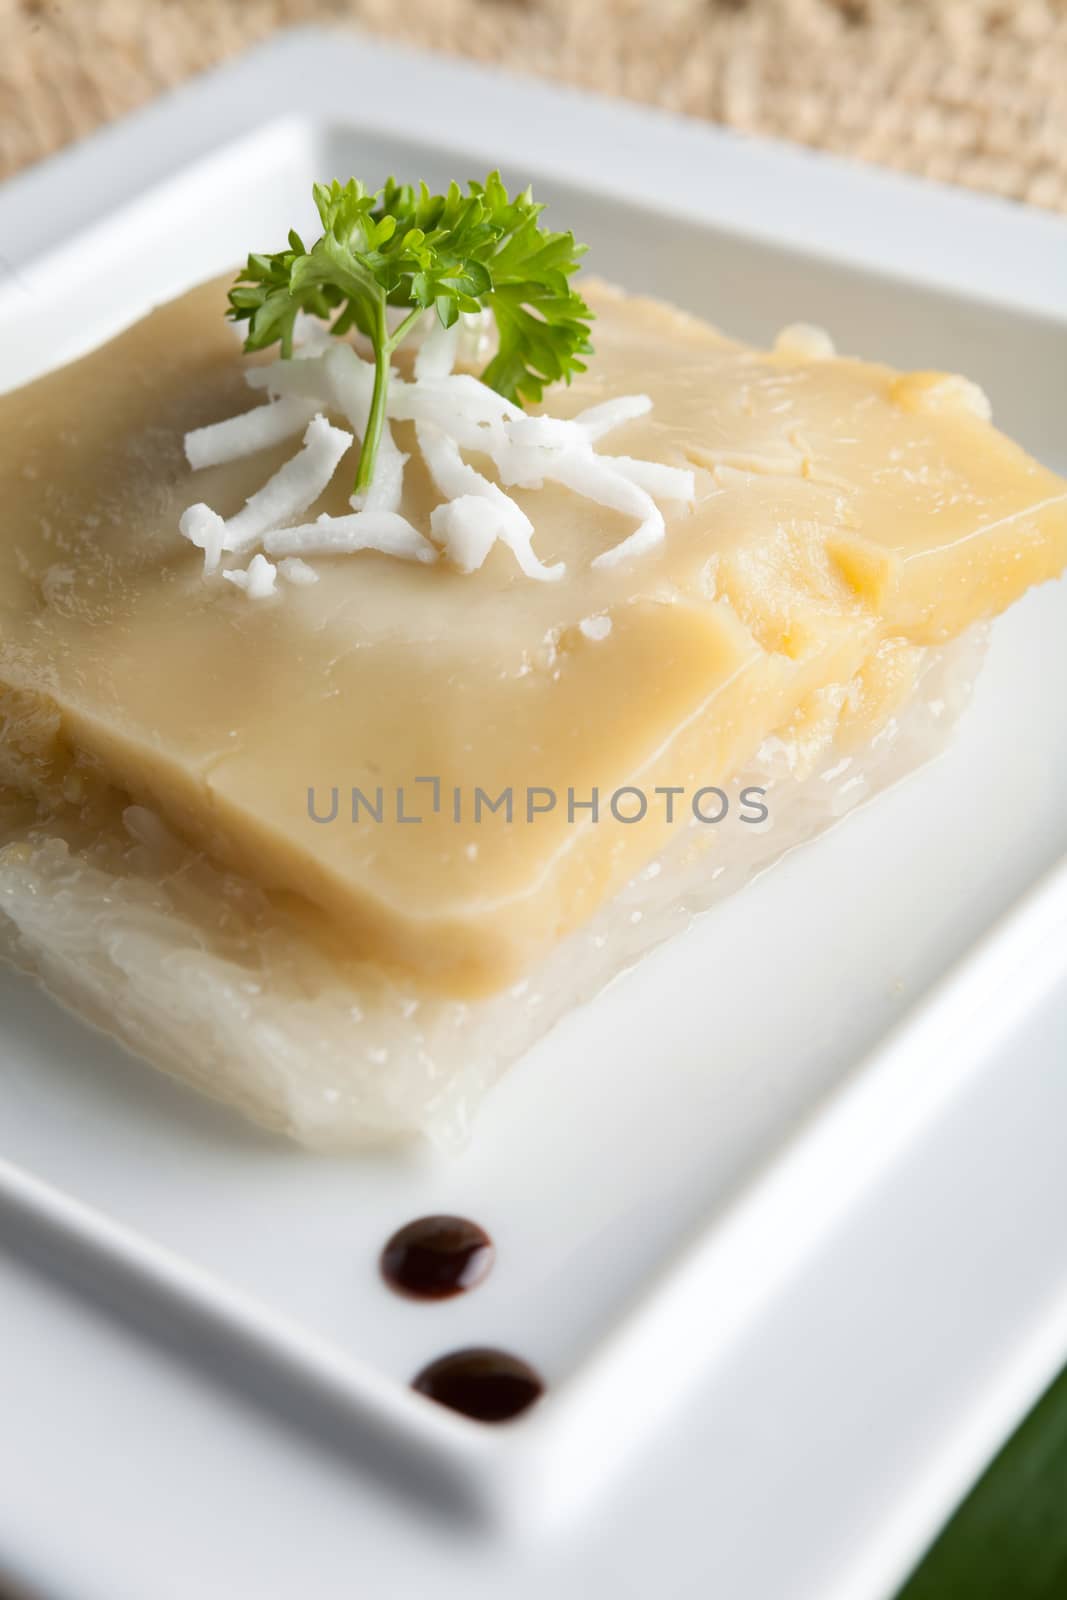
846,516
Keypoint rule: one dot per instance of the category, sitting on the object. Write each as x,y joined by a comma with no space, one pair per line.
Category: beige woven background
969,90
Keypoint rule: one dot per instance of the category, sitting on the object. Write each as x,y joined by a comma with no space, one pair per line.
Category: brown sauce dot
437,1257
488,1385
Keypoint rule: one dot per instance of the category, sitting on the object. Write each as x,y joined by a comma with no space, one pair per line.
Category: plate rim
172,134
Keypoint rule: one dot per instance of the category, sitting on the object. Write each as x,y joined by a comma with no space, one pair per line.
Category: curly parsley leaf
456,252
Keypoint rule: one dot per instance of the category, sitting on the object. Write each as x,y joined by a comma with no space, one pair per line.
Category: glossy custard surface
846,516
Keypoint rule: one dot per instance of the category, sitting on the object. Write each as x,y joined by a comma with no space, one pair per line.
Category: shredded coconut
257,579
385,531
466,528
351,384
590,476
452,412
206,530
295,571
477,337
437,354
476,512
669,483
609,414
252,431
293,488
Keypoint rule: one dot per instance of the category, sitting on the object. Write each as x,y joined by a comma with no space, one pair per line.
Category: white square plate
801,1173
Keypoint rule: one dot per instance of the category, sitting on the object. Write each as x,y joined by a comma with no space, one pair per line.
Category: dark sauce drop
437,1257
488,1385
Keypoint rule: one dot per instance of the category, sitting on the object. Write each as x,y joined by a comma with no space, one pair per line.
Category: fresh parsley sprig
454,252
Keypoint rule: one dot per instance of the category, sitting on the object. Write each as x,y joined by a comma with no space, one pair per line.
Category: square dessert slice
847,521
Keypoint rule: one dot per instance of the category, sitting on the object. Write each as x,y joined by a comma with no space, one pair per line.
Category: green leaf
455,252
1008,1541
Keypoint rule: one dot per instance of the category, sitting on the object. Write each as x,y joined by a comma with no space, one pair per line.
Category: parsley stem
384,344
404,328
368,454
